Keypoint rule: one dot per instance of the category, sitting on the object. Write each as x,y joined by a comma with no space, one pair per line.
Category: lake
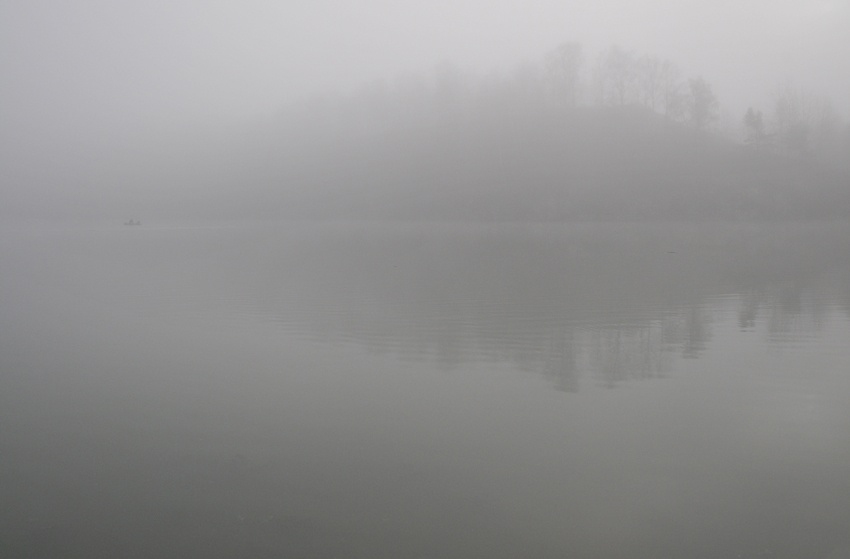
398,390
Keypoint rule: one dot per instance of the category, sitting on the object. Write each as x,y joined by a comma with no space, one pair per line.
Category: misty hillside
505,161
628,139
586,163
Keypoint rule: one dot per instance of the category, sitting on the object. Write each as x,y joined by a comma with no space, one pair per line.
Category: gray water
425,391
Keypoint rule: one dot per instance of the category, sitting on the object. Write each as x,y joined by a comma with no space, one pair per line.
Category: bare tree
792,117
755,127
807,126
616,77
672,95
563,66
650,82
702,104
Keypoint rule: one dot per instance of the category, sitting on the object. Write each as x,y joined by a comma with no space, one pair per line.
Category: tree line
619,77
801,125
797,125
561,79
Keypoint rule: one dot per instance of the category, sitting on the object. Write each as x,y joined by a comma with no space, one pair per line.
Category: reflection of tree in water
792,311
561,363
563,350
748,310
697,332
560,350
797,311
629,353
610,304
646,351
844,297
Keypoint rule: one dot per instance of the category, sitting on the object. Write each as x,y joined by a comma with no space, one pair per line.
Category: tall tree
702,103
650,82
754,124
792,116
616,77
672,96
563,66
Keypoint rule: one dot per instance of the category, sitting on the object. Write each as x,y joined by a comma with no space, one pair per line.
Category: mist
177,112
454,279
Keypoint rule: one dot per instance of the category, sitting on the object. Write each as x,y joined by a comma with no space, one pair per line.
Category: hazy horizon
414,280
94,68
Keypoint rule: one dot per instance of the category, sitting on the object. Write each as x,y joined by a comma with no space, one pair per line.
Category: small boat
131,222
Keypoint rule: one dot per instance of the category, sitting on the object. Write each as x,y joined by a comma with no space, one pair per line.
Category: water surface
425,390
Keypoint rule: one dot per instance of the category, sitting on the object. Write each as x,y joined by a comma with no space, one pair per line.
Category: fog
449,279
111,110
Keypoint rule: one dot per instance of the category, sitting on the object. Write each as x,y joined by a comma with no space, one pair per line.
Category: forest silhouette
624,137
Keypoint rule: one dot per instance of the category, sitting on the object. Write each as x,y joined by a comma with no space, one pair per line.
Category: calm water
425,391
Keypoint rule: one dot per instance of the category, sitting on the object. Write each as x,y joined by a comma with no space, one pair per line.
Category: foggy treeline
615,136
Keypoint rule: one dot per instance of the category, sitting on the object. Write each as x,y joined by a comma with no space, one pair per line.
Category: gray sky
69,65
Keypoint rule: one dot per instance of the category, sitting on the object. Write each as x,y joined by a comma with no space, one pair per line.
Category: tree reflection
696,332
797,311
605,303
561,363
630,353
562,351
748,310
